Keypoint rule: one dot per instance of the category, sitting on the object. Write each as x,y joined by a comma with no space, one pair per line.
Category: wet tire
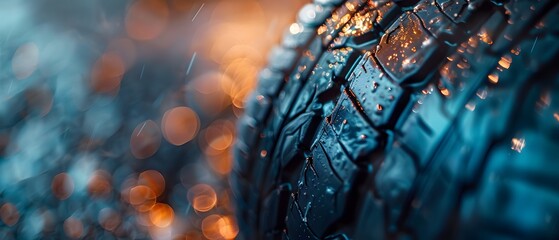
405,119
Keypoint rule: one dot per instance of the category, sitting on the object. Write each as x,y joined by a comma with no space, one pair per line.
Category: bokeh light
62,186
25,60
142,198
9,214
146,19
161,215
202,197
180,125
153,180
118,117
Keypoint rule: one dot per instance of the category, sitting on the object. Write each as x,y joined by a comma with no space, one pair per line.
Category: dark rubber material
430,119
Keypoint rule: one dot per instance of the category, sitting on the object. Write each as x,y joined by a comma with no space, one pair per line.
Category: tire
409,119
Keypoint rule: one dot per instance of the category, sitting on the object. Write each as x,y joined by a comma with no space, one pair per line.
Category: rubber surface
405,120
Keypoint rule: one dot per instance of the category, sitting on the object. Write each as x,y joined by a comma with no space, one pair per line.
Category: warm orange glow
147,19
242,51
222,163
99,184
161,215
62,186
493,78
242,74
219,135
180,125
211,99
505,61
145,140
9,214
25,60
154,180
211,227
219,227
202,197
107,73
73,228
484,36
444,91
228,227
142,197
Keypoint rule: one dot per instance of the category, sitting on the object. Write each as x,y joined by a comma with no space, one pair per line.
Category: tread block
297,78
282,58
240,188
332,67
405,50
519,21
329,2
436,22
515,196
314,14
295,137
334,24
270,82
242,162
297,228
375,93
394,180
328,141
386,14
339,236
275,209
424,127
371,221
323,189
258,106
248,131
353,132
459,11
299,39
438,188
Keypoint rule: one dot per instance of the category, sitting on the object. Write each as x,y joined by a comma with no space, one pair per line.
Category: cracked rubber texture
432,119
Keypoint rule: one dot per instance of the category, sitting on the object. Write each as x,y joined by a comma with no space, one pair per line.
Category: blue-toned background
117,117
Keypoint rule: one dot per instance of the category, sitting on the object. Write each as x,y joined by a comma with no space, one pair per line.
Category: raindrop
517,144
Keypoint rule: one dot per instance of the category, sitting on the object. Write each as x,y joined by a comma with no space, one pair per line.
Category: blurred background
117,116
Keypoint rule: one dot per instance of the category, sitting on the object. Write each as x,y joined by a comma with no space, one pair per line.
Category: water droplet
445,92
493,77
518,144
470,106
482,93
505,61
